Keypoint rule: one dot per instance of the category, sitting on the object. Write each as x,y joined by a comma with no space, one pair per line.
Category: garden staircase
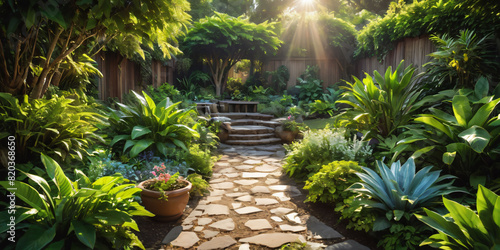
250,128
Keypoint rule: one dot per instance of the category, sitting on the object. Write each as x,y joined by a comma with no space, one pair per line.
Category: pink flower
289,117
154,173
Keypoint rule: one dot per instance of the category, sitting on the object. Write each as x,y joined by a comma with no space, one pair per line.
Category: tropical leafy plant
399,191
61,127
464,228
143,125
322,107
383,104
66,214
462,60
468,137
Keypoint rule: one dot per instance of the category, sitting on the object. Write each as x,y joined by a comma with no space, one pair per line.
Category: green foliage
321,147
199,185
279,78
399,191
221,41
359,218
383,104
462,60
464,228
61,127
77,74
165,90
310,85
198,159
467,139
321,107
427,17
80,214
328,185
143,125
401,236
275,108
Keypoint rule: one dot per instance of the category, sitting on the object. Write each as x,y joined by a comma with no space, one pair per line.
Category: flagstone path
248,208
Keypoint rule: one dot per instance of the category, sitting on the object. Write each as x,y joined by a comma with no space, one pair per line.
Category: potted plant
166,196
288,130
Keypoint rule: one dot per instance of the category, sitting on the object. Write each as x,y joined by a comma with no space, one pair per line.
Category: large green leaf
477,137
483,113
140,146
486,208
139,131
85,232
462,110
436,124
468,220
27,194
37,237
439,223
56,173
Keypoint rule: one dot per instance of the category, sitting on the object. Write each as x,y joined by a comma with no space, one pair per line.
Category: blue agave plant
399,190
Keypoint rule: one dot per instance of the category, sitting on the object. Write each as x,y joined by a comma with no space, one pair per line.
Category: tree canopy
37,36
222,40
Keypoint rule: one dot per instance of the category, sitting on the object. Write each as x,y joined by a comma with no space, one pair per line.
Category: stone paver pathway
248,208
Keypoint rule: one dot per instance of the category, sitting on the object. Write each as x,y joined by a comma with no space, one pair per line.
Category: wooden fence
121,75
412,50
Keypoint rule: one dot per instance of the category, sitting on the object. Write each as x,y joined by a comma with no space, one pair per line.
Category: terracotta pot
288,136
165,210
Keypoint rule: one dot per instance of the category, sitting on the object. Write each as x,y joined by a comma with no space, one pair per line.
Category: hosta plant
143,125
399,191
464,228
64,214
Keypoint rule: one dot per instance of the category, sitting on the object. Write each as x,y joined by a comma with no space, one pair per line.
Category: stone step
250,129
239,122
235,116
254,142
250,136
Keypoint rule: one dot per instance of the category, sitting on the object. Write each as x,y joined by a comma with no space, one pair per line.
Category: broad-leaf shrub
143,125
320,147
464,228
60,127
310,85
466,139
381,104
64,214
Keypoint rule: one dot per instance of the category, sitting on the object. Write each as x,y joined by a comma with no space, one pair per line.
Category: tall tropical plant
464,228
382,104
62,214
143,125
